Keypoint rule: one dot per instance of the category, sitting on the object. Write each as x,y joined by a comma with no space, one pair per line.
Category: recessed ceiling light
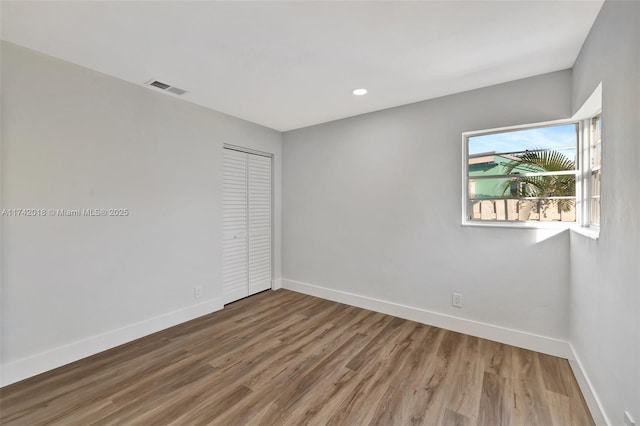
359,92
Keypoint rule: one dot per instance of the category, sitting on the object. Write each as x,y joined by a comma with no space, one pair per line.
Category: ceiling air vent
176,91
166,87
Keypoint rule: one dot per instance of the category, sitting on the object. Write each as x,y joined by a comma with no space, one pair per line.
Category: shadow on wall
544,234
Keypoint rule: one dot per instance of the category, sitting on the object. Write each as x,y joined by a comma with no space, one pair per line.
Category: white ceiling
291,64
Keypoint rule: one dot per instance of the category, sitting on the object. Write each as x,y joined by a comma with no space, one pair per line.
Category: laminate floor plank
528,405
424,380
498,358
568,411
552,374
466,375
451,418
389,406
494,402
284,358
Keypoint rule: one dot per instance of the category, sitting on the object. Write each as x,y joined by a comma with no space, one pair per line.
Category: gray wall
74,138
372,206
605,274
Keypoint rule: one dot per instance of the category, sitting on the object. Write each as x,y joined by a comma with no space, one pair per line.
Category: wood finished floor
283,358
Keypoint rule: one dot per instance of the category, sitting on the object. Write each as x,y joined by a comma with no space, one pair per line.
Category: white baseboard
590,396
277,284
39,363
496,333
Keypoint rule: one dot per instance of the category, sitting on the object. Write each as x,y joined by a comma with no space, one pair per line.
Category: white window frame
516,224
593,169
590,109
586,226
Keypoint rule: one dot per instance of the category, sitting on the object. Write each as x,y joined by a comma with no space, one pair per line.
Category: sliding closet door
236,235
247,224
259,223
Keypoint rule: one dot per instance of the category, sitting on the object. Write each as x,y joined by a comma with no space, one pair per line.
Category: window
525,174
595,163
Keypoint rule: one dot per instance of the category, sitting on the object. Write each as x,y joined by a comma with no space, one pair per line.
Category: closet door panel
260,219
235,226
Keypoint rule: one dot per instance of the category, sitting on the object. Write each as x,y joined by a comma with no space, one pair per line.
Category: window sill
519,225
592,233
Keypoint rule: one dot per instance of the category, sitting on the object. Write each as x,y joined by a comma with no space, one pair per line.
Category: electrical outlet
628,420
457,300
197,292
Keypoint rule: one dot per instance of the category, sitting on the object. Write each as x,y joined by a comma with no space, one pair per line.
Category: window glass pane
596,124
595,183
595,211
523,162
489,188
596,131
596,156
553,137
523,187
515,210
